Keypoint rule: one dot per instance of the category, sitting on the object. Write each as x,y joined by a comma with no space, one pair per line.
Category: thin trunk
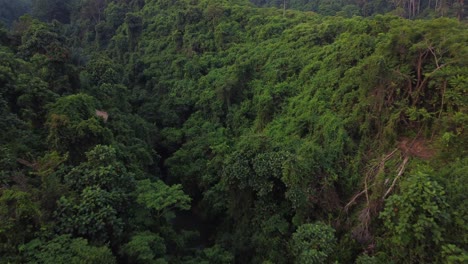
461,9
444,88
419,6
284,8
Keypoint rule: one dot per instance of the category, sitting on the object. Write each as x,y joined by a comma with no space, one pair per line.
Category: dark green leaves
65,249
313,243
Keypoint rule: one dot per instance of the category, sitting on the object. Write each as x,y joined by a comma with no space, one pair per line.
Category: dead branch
26,163
355,197
401,169
370,174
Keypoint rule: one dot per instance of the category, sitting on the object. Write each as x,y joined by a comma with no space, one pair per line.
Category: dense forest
216,131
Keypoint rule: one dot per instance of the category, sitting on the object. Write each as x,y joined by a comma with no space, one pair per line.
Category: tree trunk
284,8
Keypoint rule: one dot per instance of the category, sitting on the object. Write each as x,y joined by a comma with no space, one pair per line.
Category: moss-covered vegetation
219,132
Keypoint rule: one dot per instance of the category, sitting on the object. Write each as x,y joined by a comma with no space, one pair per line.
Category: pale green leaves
161,198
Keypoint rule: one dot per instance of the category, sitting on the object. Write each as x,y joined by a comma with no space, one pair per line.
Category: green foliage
453,179
215,254
208,131
19,219
65,249
191,164
408,9
257,172
103,187
37,37
313,243
73,125
161,198
102,70
93,214
102,169
366,259
145,247
416,219
454,254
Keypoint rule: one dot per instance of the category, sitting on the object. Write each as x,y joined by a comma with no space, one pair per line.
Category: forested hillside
349,8
199,131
